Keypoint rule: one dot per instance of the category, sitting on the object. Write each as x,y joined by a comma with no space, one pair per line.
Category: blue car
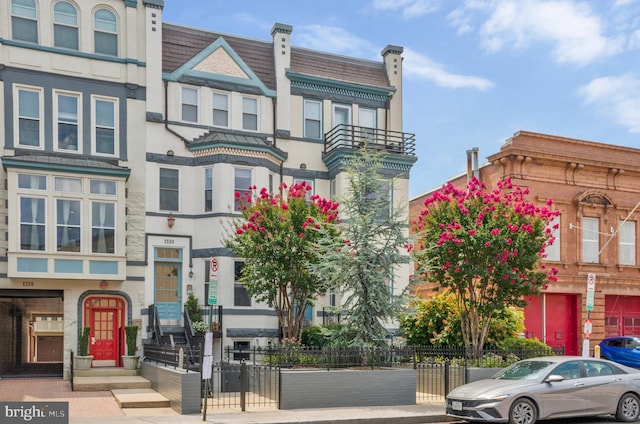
624,350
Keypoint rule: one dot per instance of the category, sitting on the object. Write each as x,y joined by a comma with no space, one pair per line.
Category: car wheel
523,411
628,408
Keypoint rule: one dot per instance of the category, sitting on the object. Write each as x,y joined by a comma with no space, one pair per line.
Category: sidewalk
101,408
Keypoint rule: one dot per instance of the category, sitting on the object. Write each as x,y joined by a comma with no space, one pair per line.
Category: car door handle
579,384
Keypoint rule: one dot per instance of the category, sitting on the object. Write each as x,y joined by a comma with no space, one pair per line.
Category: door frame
116,304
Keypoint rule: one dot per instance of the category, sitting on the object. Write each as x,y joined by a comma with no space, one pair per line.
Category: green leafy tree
361,266
276,238
436,321
486,247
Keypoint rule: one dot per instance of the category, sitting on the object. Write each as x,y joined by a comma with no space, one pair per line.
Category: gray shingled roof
65,161
180,44
217,136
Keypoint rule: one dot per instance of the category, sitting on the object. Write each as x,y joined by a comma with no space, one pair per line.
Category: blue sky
475,71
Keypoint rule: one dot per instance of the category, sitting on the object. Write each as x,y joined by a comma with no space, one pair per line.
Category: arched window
105,33
65,26
24,21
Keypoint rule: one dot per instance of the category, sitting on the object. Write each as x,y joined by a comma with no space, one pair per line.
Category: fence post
447,368
243,389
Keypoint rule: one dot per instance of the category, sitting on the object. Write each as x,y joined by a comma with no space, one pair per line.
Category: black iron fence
182,357
239,386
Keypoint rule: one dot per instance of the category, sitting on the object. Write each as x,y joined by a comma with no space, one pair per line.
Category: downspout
166,111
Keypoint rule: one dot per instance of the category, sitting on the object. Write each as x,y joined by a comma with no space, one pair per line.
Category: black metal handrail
355,137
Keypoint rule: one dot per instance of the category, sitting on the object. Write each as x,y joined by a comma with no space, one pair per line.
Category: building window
103,227
553,251
241,350
105,33
627,237
65,26
67,185
24,21
105,126
308,184
208,189
220,110
313,119
590,241
68,222
169,189
67,110
29,122
242,182
32,223
332,189
32,182
249,114
240,294
380,198
341,121
189,104
368,124
107,188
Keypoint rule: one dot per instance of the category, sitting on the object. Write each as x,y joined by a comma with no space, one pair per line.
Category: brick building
595,188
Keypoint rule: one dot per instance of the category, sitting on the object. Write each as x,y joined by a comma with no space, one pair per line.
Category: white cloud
333,39
617,97
410,8
575,31
420,66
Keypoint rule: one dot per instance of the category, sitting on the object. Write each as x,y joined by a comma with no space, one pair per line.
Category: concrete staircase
128,388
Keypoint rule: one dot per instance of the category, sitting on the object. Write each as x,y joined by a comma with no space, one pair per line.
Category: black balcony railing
354,137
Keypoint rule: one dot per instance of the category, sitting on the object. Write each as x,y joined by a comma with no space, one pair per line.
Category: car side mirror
554,378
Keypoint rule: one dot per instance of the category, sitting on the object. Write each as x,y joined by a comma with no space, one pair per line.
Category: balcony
351,137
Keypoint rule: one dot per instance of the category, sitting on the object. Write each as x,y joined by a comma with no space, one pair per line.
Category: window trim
249,113
305,118
94,125
76,26
214,109
183,103
236,204
631,245
594,240
97,30
16,133
167,189
33,19
208,186
555,247
56,121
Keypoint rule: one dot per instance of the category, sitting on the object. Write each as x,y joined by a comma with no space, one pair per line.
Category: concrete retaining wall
180,387
344,388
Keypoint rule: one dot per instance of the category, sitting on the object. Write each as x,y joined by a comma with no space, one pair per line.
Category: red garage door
553,319
621,316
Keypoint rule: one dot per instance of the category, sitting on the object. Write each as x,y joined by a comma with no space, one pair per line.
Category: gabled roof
184,44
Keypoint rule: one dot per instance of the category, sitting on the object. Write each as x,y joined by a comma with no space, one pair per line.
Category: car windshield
525,370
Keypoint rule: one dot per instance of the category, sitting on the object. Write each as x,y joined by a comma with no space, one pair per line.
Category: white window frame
97,226
27,15
241,190
237,284
59,238
308,181
217,110
309,112
115,125
43,224
107,29
68,22
247,112
18,117
187,104
627,243
368,129
59,120
590,239
553,251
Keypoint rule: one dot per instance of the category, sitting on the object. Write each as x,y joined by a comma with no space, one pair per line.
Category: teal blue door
167,279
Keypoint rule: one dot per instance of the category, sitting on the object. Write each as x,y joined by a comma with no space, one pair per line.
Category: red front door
104,331
105,316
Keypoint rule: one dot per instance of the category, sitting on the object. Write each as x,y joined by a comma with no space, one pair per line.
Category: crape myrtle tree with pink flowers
275,237
486,246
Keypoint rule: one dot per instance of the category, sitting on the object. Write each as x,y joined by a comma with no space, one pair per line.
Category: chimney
281,35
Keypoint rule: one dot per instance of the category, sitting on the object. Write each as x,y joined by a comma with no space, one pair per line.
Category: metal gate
242,386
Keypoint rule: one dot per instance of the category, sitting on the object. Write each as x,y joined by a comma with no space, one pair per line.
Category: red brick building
596,188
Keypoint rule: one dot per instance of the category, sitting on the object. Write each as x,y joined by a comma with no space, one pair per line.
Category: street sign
213,282
591,290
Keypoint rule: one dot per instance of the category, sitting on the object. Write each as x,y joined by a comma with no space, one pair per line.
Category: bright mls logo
34,412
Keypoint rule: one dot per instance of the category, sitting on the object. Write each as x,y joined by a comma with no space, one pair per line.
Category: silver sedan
548,388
